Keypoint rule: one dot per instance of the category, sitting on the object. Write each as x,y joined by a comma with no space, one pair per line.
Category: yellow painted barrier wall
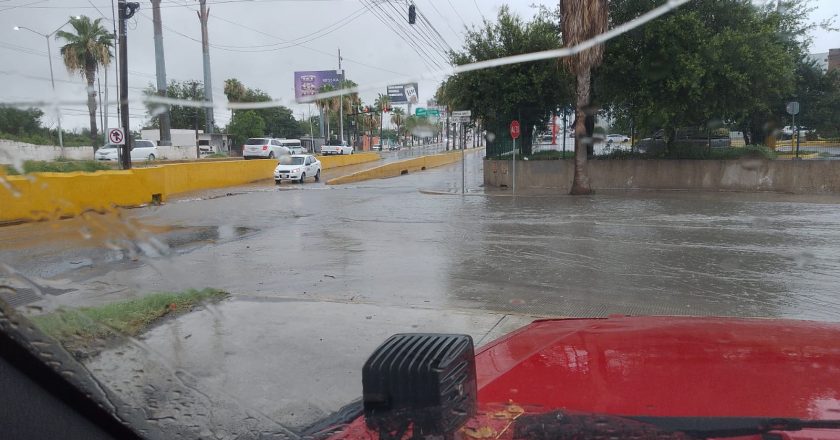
397,168
42,196
328,162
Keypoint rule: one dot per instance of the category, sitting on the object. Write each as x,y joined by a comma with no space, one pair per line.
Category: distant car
336,147
264,148
377,147
297,168
393,147
144,150
617,138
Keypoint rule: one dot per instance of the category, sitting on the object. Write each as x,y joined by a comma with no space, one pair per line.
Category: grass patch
82,328
59,166
216,156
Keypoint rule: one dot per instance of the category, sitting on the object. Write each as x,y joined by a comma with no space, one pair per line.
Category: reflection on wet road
321,274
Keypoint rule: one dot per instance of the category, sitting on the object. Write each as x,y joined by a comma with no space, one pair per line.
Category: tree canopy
525,91
705,64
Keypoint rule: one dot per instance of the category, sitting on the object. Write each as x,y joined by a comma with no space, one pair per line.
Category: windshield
549,178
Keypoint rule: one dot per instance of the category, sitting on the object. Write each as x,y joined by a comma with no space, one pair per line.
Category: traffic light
412,14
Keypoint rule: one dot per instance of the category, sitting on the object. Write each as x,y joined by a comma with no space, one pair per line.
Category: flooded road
319,275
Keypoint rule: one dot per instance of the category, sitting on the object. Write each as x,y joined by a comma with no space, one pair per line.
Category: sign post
462,117
793,110
514,134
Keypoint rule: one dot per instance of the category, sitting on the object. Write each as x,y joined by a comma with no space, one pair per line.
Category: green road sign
420,111
433,112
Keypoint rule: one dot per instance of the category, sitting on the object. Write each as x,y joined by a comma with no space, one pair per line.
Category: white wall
13,151
180,137
177,152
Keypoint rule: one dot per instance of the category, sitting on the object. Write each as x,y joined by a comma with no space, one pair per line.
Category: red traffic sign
514,129
116,136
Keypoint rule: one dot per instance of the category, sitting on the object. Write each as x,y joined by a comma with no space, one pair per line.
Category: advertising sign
309,83
403,93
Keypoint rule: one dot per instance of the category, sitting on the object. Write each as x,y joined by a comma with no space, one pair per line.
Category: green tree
818,93
398,118
524,91
383,105
181,117
245,124
84,52
279,120
20,122
704,64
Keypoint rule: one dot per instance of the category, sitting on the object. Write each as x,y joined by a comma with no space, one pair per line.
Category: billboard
403,93
309,83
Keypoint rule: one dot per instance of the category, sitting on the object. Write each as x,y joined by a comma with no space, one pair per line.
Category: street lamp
52,78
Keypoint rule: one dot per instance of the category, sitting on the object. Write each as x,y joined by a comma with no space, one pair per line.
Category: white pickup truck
339,148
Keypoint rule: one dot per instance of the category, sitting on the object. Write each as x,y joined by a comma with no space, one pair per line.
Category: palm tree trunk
90,75
327,119
580,185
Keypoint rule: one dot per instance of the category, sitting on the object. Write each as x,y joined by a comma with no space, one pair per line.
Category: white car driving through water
297,168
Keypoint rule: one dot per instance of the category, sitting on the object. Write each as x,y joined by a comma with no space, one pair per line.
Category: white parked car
144,150
297,168
617,138
339,148
264,148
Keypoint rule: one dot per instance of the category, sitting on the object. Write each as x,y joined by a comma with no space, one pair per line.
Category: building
827,60
833,59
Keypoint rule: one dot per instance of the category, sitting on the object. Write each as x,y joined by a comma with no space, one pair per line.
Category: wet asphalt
320,275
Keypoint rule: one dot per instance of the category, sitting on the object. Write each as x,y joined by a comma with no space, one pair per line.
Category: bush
60,166
552,155
759,151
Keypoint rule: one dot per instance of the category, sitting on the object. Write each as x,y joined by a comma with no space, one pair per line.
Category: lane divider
395,169
45,196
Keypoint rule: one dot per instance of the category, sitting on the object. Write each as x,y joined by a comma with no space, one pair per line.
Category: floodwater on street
320,275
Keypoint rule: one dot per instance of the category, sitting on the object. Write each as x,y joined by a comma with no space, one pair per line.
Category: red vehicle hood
668,366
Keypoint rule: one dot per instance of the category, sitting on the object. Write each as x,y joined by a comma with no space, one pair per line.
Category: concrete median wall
42,196
328,162
395,169
751,175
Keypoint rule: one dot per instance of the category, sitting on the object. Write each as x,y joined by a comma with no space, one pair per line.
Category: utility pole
203,16
447,128
160,71
341,99
126,11
311,134
195,120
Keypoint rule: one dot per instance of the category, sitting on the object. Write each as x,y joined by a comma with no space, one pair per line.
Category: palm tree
324,106
234,91
397,118
582,20
382,103
86,50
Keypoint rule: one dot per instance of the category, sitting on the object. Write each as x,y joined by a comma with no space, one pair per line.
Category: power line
475,2
428,39
422,53
464,22
299,44
445,20
222,2
430,27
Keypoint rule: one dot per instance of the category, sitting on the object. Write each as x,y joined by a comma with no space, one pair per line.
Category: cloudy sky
260,42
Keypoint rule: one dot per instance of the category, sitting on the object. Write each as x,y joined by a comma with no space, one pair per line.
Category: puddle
188,238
